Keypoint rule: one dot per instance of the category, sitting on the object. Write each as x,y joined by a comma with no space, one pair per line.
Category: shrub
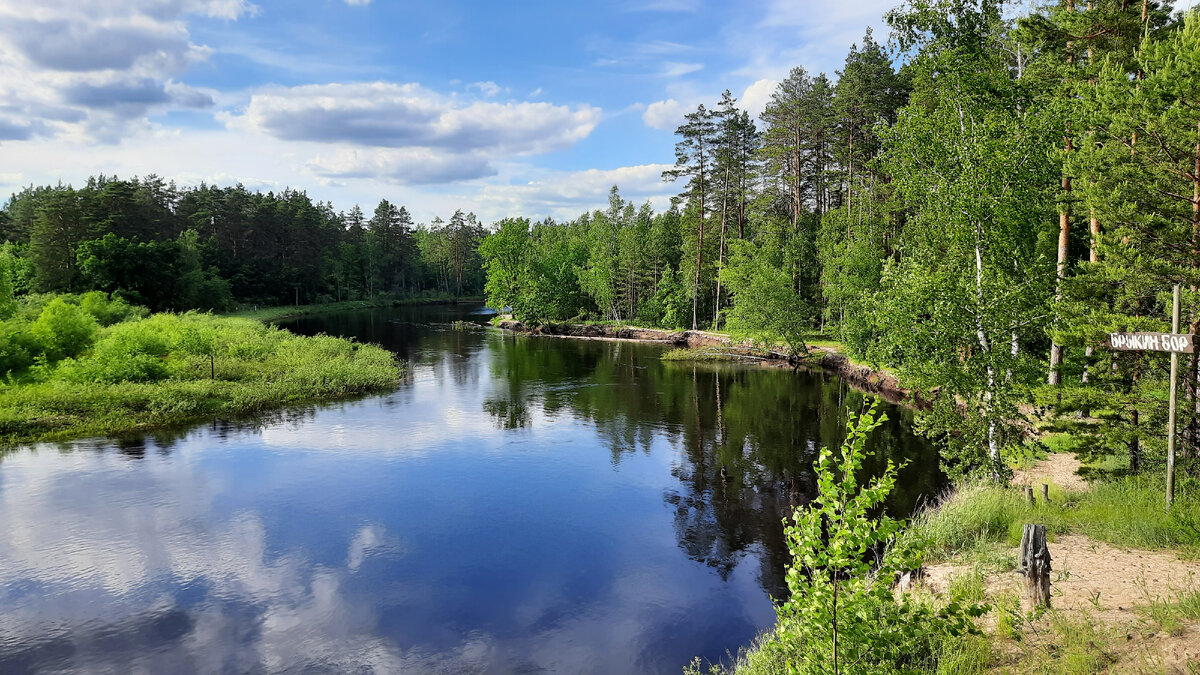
62,330
108,312
13,353
128,352
842,615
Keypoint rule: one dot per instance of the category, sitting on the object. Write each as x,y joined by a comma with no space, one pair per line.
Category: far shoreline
272,313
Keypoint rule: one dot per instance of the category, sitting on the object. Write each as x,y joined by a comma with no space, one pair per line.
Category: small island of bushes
80,365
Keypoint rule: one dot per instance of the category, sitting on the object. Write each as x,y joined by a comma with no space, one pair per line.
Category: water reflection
516,505
746,437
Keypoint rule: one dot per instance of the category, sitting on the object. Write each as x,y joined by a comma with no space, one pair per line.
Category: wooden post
1035,564
1029,495
1045,494
1171,412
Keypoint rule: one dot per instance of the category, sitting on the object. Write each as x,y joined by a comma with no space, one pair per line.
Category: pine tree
694,159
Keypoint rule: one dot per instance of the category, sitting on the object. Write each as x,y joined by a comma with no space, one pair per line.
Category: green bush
14,355
108,312
62,330
842,614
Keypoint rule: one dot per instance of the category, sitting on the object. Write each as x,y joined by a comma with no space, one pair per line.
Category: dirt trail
1094,576
1094,581
1060,468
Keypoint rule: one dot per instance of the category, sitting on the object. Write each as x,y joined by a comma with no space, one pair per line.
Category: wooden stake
1029,495
1035,564
1171,411
1045,494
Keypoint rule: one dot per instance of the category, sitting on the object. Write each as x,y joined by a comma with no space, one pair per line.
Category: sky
532,108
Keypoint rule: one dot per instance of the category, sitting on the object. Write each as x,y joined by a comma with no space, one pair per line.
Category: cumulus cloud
666,114
71,46
754,100
95,70
408,134
565,194
384,114
406,166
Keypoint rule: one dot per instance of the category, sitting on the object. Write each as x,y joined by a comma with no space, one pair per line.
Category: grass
280,312
1126,512
701,354
169,369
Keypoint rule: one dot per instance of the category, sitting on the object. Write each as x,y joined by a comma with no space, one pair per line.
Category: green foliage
8,301
842,615
767,308
1138,177
970,293
670,304
62,330
169,368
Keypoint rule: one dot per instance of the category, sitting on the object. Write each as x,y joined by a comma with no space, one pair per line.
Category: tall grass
1126,511
168,369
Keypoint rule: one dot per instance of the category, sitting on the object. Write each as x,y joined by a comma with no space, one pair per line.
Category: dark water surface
519,504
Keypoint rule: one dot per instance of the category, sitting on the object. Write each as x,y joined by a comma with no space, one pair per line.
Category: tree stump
1029,495
1046,494
1035,565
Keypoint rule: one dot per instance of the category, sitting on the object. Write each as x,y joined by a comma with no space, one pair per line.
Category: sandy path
1092,575
1060,468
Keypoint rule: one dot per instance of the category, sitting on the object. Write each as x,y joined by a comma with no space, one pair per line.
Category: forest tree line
975,205
170,248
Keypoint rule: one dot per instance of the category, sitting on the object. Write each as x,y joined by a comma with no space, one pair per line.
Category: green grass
280,312
169,369
835,345
700,354
1125,512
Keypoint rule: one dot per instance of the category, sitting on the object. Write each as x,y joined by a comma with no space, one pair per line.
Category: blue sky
532,108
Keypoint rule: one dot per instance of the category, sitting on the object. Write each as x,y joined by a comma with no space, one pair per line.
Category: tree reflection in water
745,437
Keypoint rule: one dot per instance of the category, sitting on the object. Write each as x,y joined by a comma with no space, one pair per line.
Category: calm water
518,504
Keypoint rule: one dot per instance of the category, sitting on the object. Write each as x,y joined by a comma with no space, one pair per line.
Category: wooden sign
1175,343
1152,342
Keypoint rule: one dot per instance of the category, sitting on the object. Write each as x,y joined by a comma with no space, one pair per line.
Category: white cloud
488,89
95,70
754,100
408,134
666,114
406,166
358,3
676,69
815,35
567,194
384,114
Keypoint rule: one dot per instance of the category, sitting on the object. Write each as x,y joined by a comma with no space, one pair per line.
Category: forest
169,248
974,204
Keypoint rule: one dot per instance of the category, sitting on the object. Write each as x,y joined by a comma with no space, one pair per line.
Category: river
517,504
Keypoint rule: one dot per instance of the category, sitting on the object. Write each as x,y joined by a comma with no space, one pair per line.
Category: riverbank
283,312
1125,581
824,357
164,370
